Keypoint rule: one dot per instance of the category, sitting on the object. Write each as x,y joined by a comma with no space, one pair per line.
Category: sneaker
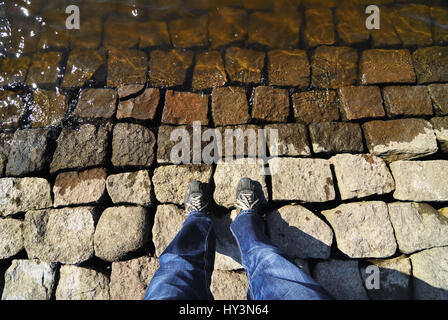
247,195
197,197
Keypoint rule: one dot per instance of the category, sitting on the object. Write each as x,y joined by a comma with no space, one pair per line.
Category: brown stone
21,38
169,68
319,28
258,4
275,30
126,67
13,70
88,186
44,68
431,64
185,108
400,139
51,35
440,125
292,140
189,32
315,106
89,36
244,65
229,106
351,24
334,67
385,36
288,68
413,25
336,137
129,89
226,26
270,104
407,100
386,66
11,109
439,96
120,33
49,108
82,66
320,3
209,71
361,102
96,103
153,33
142,107
440,17
130,279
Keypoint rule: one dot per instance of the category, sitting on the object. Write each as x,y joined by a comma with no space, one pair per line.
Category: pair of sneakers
248,196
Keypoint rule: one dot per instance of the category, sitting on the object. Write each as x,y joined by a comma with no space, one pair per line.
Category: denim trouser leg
271,275
186,265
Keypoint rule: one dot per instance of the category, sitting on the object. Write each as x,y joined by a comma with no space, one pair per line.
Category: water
42,60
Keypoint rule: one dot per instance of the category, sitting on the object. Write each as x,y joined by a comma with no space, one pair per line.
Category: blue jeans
186,265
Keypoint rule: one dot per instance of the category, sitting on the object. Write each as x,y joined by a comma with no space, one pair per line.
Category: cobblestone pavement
90,196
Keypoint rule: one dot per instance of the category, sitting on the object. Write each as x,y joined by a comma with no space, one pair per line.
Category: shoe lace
196,203
246,201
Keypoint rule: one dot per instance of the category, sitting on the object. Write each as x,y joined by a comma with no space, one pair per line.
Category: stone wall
89,196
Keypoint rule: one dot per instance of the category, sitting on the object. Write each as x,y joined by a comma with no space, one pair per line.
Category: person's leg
271,274
186,265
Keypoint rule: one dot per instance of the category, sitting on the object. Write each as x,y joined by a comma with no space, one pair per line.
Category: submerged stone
11,109
244,65
319,27
44,68
189,32
13,70
82,66
334,67
288,68
227,25
169,68
126,67
48,109
209,71
431,64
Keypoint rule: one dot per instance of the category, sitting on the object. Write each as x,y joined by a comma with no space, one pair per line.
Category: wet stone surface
227,25
431,64
142,107
361,102
319,28
96,103
439,97
270,104
11,109
275,30
244,65
169,68
126,67
209,71
229,106
386,66
48,109
412,25
335,137
334,67
13,70
189,32
407,101
185,108
82,66
315,106
288,68
48,61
